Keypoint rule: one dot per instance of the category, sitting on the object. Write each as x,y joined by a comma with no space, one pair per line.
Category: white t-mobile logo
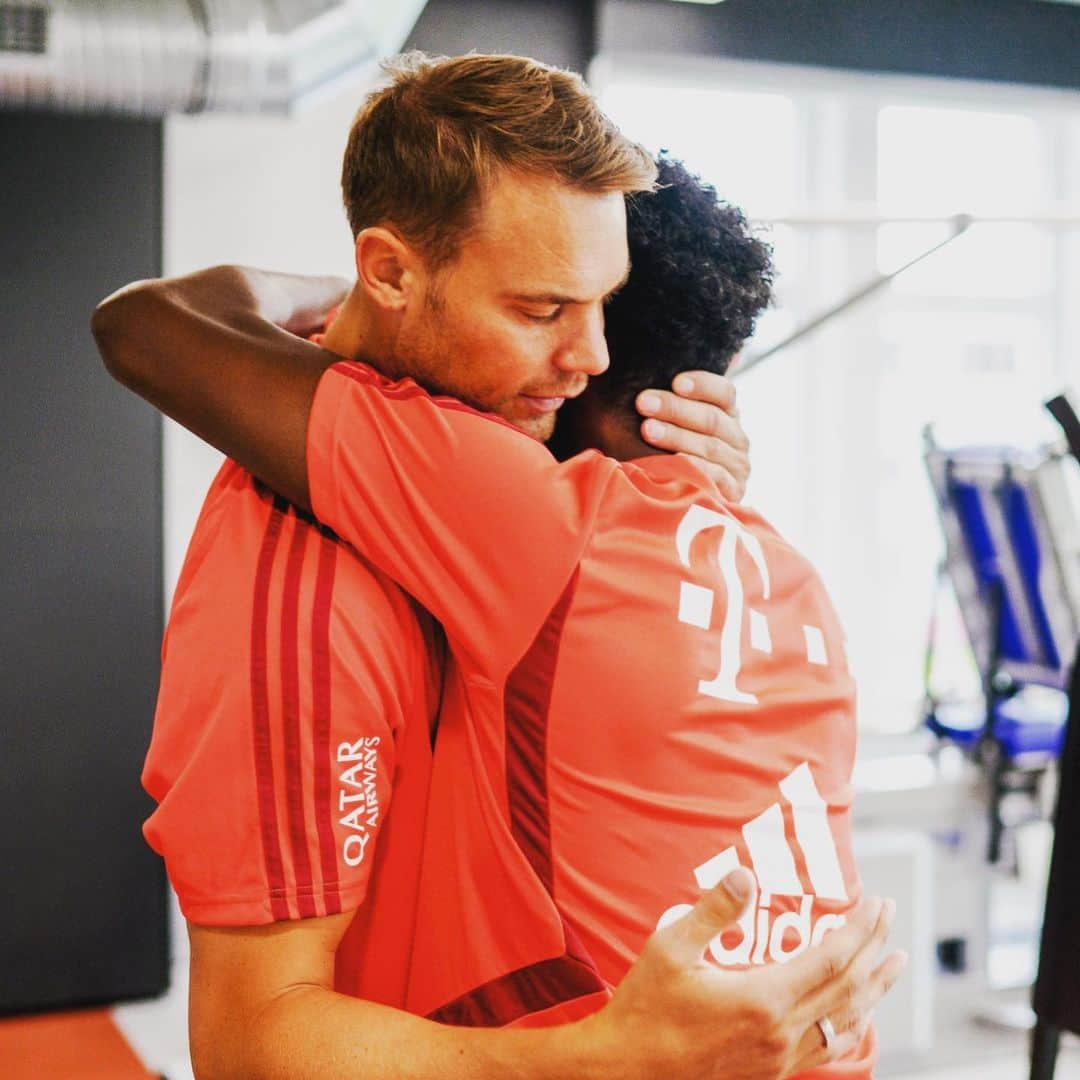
696,602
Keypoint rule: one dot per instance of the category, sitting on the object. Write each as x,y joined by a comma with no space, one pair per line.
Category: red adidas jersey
648,687
291,751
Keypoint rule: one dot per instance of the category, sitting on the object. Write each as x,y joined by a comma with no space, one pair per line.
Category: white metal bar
959,223
842,219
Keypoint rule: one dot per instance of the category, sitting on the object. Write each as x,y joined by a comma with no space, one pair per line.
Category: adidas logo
765,938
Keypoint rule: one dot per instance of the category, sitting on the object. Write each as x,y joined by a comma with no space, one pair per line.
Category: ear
387,268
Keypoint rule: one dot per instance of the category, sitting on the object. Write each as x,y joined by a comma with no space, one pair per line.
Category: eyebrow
559,298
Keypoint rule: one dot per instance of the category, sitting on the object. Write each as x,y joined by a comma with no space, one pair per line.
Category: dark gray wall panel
555,31
83,908
1024,41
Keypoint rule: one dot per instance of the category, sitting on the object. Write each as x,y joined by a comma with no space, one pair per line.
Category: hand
679,1016
303,303
700,419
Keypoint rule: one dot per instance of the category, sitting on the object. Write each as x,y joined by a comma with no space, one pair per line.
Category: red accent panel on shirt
558,979
528,990
528,702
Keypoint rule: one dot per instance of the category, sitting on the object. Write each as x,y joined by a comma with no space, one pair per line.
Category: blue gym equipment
1012,555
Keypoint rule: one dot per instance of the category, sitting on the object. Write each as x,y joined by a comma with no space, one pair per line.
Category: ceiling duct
150,57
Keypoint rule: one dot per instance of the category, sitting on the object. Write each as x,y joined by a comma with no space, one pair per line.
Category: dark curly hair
698,280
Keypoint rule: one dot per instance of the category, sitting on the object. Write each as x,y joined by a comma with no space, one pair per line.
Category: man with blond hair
293,740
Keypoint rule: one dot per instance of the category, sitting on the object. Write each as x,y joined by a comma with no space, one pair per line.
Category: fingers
726,466
703,416
700,420
688,937
813,1052
836,994
728,480
819,968
707,386
309,300
329,290
851,1020
850,995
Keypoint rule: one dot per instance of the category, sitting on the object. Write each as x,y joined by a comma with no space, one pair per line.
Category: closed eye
543,316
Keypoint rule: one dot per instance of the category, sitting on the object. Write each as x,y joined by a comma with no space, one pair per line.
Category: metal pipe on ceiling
151,57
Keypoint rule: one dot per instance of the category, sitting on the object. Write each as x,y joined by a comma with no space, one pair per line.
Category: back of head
424,147
699,279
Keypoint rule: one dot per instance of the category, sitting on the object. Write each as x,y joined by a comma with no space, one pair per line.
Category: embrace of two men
464,749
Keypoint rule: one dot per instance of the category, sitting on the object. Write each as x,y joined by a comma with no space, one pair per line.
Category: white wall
261,191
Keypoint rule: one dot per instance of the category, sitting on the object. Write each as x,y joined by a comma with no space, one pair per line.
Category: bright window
941,160
933,160
718,134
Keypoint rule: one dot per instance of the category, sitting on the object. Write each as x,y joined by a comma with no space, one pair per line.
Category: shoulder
260,570
351,384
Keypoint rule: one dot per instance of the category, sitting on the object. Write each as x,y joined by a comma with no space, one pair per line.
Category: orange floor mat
83,1045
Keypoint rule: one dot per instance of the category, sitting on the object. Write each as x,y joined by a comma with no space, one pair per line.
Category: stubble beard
540,428
428,356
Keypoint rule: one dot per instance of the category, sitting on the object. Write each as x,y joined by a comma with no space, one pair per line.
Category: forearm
219,307
204,349
312,1032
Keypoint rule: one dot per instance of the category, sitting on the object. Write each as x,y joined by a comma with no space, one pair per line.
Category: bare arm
263,1008
219,351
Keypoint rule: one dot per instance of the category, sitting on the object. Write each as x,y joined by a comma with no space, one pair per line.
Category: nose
587,350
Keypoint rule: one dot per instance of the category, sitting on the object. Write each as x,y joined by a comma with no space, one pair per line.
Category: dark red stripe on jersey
562,978
528,701
260,709
528,990
290,708
320,670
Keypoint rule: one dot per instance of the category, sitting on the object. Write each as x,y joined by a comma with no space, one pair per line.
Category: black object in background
1057,986
83,909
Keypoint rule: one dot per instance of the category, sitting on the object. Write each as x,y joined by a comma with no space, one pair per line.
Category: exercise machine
1012,556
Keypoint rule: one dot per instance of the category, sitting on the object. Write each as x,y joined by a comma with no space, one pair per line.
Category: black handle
1062,410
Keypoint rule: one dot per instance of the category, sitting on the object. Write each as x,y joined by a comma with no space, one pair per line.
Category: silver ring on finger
828,1032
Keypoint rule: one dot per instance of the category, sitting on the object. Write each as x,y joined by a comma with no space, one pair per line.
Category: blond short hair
424,148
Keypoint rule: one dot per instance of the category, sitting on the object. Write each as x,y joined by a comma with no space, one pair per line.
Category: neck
590,424
360,334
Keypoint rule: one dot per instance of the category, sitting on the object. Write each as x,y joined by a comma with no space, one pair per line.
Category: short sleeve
474,518
290,669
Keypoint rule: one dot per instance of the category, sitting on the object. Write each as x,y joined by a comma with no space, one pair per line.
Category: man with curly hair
698,281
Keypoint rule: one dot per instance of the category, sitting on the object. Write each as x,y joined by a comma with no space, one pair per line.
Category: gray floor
966,1047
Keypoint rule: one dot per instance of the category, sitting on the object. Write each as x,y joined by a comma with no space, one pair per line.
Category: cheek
506,347
528,349
493,354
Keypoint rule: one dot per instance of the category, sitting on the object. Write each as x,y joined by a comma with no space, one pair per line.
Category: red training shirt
291,751
648,686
